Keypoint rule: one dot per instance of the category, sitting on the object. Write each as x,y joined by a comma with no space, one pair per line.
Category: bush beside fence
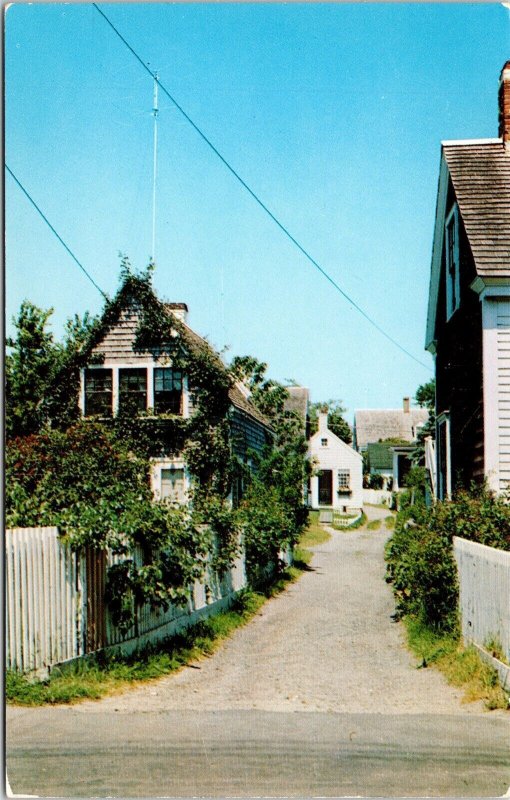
484,594
55,608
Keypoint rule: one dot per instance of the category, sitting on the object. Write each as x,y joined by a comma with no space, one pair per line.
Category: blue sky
332,113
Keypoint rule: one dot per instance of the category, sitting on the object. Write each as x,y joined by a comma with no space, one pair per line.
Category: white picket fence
484,593
44,599
55,609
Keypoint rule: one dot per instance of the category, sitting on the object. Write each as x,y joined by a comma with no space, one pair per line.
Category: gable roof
479,171
380,455
117,344
297,401
480,174
371,425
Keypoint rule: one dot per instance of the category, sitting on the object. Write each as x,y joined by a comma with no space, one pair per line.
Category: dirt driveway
327,644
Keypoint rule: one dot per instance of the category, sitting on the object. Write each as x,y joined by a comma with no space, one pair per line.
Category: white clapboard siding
43,600
503,344
484,593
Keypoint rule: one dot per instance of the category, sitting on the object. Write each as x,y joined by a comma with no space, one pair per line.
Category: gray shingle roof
118,345
372,425
480,173
298,401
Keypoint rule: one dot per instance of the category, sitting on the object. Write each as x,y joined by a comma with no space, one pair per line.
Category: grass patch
109,674
314,534
390,522
374,525
462,666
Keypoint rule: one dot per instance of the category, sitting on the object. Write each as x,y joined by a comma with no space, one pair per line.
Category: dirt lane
327,644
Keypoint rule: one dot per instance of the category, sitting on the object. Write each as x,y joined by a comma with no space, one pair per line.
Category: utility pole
155,112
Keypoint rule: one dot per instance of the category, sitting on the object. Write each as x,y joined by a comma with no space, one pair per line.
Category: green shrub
420,561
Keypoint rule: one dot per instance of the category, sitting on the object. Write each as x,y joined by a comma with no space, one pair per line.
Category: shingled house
468,322
377,425
119,372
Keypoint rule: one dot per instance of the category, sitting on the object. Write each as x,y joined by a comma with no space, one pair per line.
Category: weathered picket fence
55,608
484,594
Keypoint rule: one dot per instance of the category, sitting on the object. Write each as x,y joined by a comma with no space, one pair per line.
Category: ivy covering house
133,434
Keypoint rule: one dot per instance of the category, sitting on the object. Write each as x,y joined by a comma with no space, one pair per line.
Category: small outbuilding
337,481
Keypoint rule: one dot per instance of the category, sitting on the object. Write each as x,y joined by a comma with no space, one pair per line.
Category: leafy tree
42,374
426,398
336,422
285,467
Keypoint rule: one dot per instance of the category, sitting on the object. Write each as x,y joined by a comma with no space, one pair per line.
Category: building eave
437,249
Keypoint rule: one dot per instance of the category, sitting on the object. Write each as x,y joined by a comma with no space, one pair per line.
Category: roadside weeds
461,666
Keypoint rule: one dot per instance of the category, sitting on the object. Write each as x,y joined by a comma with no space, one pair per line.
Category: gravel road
327,644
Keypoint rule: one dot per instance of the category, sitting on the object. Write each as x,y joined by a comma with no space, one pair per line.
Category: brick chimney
179,310
504,105
407,405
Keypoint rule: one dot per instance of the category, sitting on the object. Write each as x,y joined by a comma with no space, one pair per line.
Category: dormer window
133,388
98,392
167,391
452,262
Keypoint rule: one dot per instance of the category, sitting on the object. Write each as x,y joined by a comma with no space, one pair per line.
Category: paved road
315,697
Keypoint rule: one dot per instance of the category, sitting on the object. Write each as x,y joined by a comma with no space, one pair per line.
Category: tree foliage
420,561
91,477
336,422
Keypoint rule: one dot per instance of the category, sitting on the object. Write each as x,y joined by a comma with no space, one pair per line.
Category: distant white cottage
338,479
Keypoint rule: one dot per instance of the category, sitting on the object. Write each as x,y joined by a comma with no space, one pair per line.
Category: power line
255,196
50,226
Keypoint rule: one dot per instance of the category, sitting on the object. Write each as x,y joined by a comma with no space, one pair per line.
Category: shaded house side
468,324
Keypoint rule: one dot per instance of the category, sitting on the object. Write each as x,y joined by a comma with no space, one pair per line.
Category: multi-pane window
324,442
167,391
172,485
98,392
344,479
133,389
452,263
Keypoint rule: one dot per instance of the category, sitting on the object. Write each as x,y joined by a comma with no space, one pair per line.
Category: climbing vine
91,477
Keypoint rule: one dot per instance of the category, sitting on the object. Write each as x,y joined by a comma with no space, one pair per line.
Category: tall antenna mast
155,112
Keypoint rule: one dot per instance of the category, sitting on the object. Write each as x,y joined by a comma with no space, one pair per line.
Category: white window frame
444,419
115,386
324,442
161,464
342,475
452,270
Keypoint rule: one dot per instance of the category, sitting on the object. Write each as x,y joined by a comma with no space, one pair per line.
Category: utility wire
255,196
50,226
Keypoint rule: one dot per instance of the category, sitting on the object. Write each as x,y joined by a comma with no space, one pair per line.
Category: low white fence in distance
484,593
377,497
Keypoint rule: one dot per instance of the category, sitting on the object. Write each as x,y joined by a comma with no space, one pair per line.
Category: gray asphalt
63,752
315,697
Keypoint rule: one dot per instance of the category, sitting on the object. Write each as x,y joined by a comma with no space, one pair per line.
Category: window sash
167,390
133,387
344,478
98,392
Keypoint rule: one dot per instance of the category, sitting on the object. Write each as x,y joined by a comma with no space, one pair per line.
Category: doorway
325,487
